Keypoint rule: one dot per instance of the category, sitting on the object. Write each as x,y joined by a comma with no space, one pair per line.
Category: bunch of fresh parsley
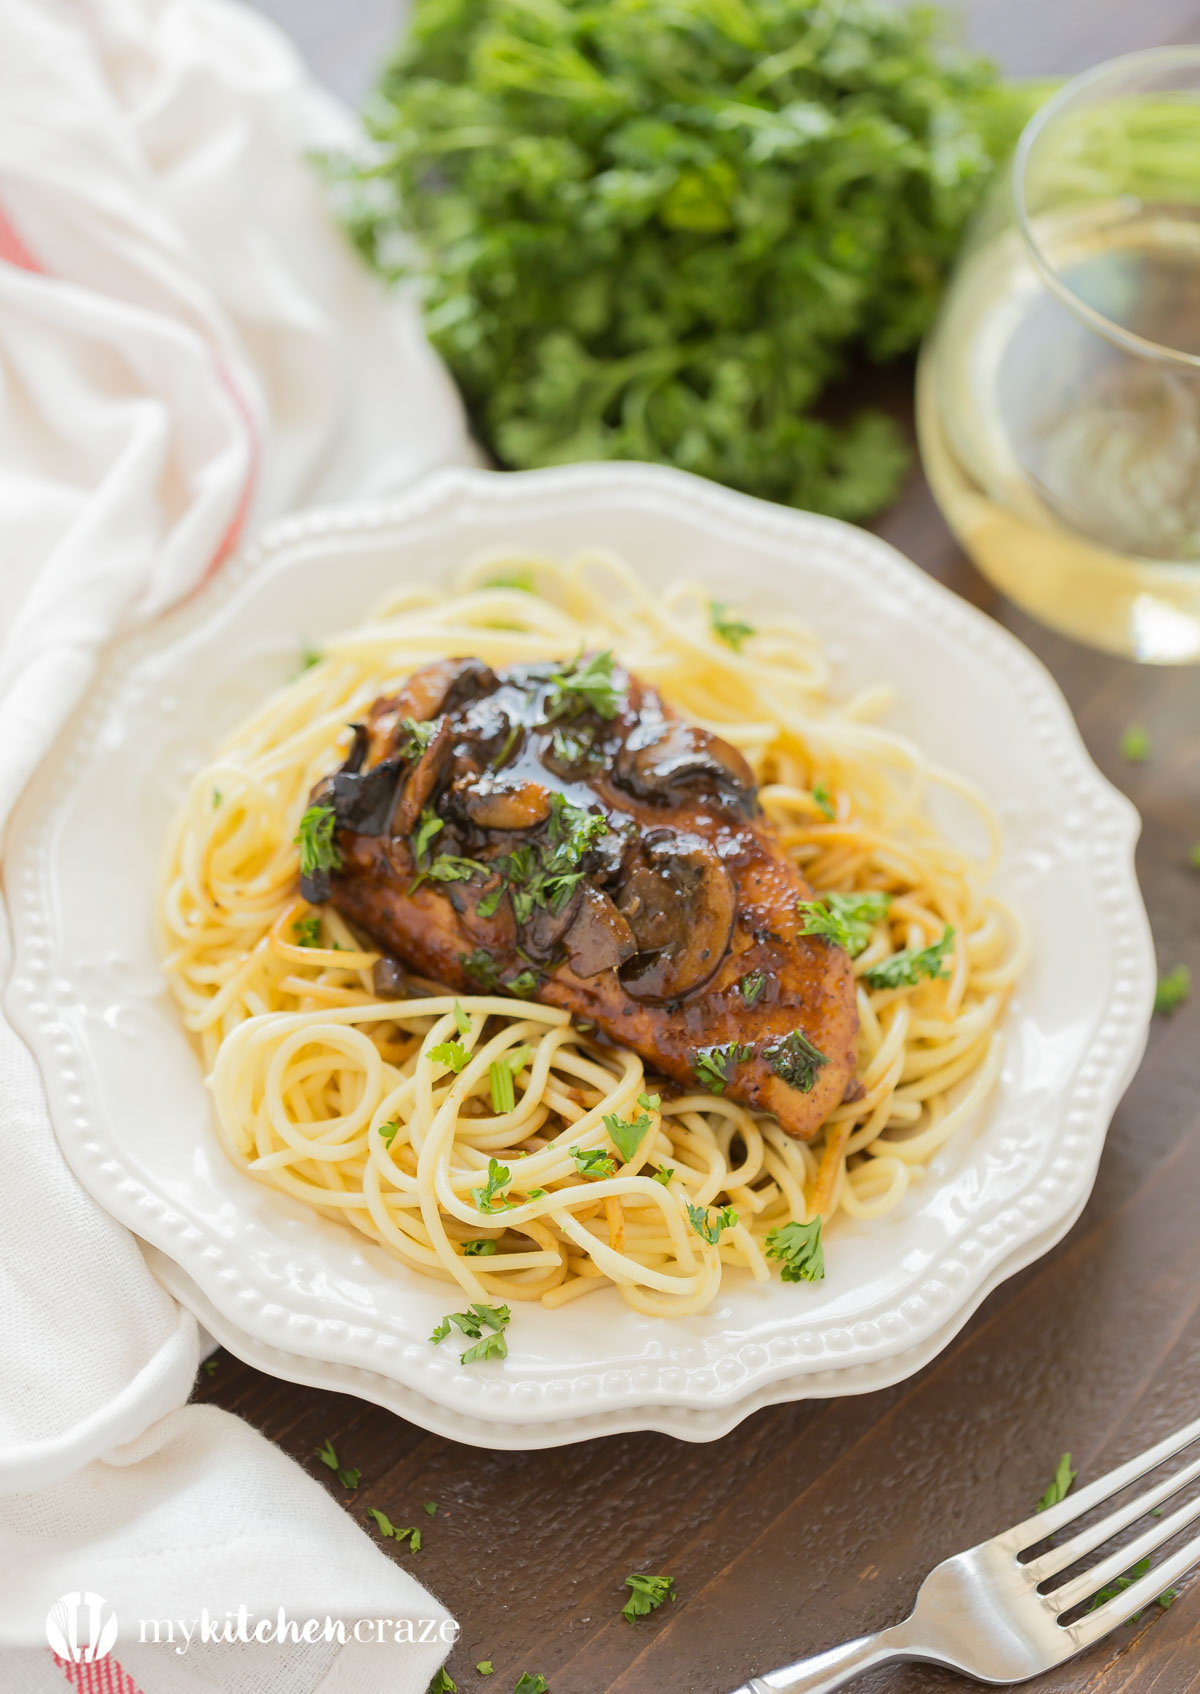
661,231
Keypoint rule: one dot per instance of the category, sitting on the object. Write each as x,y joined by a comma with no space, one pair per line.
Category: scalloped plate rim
126,1194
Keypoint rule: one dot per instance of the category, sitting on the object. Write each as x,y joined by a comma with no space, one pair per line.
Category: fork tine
1043,1524
1137,1596
1058,1558
1122,1558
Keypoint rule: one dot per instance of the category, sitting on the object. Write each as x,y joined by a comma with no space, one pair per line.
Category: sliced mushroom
599,938
498,803
389,978
442,686
669,762
679,904
427,775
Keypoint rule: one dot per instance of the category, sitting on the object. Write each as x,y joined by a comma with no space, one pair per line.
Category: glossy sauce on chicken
556,832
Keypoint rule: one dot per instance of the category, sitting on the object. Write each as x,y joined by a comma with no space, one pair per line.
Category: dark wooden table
814,1522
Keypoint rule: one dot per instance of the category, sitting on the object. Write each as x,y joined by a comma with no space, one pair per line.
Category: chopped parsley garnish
534,875
531,1684
522,579
318,849
483,1248
575,746
593,1161
347,1478
492,1346
216,801
523,984
650,1102
473,1324
705,1227
798,1245
309,656
1194,855
584,687
498,1176
795,1060
752,986
726,627
574,830
627,1136
428,825
481,968
442,1682
1121,1583
485,1667
448,867
1173,989
385,1526
536,1194
415,737
452,1054
388,1131
844,919
714,1066
1060,1486
824,800
1135,745
905,969
664,1174
648,1594
462,1021
500,1079
211,1366
307,932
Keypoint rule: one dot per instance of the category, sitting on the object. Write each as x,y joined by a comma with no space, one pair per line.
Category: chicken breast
555,831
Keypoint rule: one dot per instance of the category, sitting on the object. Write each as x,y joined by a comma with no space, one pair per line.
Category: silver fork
981,1613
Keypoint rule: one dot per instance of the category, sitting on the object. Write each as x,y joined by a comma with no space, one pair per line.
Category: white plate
125,1085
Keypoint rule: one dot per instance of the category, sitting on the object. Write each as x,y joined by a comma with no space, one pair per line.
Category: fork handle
825,1671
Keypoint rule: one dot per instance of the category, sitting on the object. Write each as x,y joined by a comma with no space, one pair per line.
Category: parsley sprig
648,1594
795,1060
906,969
318,850
798,1245
1173,989
627,1134
727,626
1060,1484
844,919
473,1324
714,1066
347,1477
593,1161
583,686
707,1228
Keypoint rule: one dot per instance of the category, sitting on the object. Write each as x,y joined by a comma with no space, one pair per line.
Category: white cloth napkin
188,346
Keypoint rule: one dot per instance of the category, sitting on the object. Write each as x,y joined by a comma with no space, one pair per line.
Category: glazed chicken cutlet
557,832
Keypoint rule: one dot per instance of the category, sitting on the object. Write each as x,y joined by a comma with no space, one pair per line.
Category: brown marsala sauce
555,831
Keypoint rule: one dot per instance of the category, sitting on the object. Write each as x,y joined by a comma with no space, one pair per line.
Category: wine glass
1058,395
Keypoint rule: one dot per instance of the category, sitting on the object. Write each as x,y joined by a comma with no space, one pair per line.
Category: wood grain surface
813,1523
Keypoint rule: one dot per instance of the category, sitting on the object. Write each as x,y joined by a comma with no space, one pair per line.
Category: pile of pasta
483,1139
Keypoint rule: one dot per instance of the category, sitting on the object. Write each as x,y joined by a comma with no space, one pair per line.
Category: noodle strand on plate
468,1136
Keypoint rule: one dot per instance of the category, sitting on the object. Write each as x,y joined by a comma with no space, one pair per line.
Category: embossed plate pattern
125,1085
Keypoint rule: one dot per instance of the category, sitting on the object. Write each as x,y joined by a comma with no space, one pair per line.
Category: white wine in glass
1058,396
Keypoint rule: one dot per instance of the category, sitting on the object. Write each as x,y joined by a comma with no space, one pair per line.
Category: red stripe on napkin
104,1676
13,250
